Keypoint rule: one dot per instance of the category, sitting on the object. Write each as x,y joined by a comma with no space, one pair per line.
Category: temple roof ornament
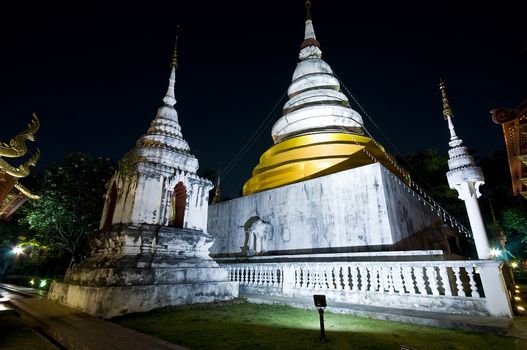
315,101
12,193
163,144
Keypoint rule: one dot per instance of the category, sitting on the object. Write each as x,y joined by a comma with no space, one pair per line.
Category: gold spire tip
173,63
447,111
308,10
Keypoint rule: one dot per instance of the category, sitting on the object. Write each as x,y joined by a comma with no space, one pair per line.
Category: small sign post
320,303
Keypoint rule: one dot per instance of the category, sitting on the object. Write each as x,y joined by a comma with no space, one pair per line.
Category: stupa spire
448,115
170,97
310,38
466,178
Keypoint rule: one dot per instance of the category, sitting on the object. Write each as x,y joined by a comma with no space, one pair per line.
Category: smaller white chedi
465,177
152,249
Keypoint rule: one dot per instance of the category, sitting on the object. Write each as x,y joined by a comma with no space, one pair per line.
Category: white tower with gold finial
465,177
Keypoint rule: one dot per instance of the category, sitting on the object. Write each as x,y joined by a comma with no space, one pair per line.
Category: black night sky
95,74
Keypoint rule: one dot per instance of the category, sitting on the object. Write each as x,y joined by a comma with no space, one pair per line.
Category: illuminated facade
12,193
514,124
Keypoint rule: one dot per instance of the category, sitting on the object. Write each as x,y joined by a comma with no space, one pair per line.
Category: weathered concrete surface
113,301
135,268
361,207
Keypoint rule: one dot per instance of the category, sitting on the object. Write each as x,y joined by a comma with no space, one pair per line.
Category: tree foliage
71,200
428,169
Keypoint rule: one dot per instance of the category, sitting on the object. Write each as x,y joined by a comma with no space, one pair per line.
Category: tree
428,169
71,200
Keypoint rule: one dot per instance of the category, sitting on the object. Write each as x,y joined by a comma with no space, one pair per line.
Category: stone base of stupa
365,209
136,268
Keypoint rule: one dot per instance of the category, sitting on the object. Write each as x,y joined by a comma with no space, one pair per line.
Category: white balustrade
431,280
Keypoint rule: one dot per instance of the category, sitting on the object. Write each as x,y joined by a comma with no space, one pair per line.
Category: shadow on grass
252,326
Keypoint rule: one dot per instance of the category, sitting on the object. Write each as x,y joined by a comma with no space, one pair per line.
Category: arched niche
178,203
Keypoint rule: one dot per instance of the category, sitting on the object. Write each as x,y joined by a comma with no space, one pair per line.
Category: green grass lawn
16,335
252,326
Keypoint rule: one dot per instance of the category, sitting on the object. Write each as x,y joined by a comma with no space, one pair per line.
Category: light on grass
514,265
32,282
42,283
17,250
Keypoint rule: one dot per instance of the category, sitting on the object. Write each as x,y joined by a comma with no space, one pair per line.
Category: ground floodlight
320,303
320,300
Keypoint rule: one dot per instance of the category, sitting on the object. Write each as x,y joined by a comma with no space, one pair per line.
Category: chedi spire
465,177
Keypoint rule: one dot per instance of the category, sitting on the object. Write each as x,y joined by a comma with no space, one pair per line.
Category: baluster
419,280
397,280
382,279
343,277
431,273
389,279
363,279
263,276
354,279
459,282
409,279
473,288
298,282
373,278
445,281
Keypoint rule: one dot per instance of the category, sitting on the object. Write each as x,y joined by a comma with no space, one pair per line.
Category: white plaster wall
343,209
406,212
197,204
357,207
147,201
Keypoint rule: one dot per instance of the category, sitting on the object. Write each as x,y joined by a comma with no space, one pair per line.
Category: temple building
12,193
514,124
326,185
328,211
152,249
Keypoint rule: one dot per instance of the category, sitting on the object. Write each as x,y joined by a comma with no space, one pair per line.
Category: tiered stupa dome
163,145
318,133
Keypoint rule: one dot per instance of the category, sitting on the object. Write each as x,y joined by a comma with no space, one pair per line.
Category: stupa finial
308,10
448,115
173,63
309,35
170,98
447,110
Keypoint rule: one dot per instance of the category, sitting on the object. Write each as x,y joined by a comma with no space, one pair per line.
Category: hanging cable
252,139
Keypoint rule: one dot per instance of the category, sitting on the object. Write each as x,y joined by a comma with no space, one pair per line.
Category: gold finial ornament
217,192
173,63
308,10
447,111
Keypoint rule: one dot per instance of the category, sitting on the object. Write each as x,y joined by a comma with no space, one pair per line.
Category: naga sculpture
17,145
17,148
